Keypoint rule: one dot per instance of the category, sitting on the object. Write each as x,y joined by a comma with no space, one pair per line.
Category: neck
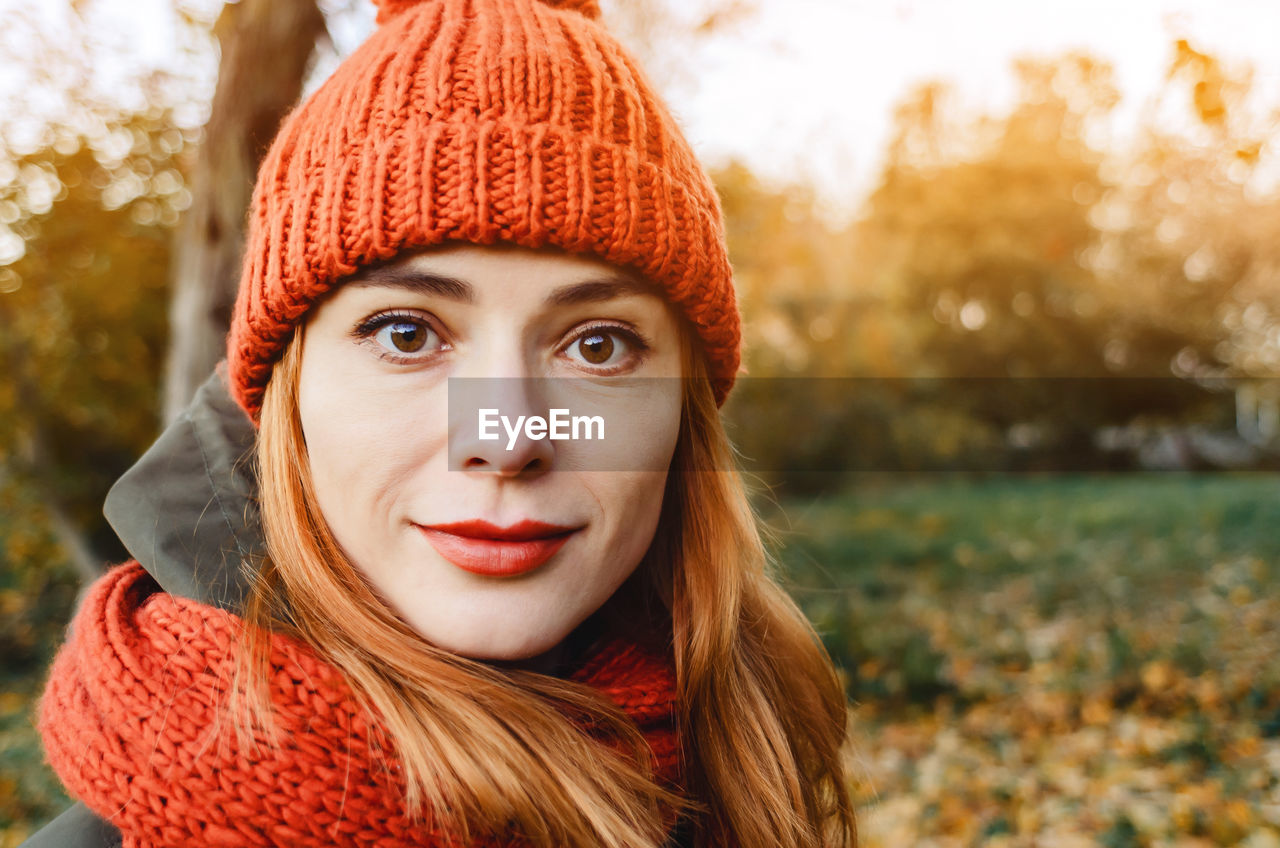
549,662
562,657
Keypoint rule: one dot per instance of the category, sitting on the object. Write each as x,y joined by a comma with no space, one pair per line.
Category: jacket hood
187,510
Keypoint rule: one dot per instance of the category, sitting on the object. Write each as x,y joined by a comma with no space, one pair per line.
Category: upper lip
521,531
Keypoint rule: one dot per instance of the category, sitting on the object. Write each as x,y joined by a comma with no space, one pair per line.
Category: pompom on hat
484,121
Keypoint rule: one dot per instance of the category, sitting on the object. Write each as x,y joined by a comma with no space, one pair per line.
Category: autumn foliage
1015,671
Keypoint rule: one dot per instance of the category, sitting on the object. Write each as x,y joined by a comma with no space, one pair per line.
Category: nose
490,428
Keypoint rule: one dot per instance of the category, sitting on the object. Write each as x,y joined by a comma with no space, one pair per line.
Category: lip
483,548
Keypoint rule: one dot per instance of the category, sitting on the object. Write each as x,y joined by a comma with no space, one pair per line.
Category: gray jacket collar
187,510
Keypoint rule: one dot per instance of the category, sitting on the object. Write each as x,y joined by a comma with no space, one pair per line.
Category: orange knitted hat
517,121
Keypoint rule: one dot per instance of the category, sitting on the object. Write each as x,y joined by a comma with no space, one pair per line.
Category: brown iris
408,338
597,348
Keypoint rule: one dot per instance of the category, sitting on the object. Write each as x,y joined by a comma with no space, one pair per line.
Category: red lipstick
487,549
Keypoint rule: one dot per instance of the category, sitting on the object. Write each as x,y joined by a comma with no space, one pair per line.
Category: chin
500,647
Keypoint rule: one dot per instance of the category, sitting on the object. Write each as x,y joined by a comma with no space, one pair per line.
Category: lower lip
492,557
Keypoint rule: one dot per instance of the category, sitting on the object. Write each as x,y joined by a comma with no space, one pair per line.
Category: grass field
1054,661
1030,661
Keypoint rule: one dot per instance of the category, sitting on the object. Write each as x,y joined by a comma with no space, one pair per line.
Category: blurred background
1011,280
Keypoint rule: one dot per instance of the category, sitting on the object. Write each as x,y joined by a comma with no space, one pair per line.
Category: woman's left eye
605,347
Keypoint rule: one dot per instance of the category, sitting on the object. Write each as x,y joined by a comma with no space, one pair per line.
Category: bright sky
823,101
806,88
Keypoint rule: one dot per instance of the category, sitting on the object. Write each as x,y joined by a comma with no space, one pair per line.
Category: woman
462,628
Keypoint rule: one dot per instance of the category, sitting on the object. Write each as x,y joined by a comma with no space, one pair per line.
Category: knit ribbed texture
129,725
482,121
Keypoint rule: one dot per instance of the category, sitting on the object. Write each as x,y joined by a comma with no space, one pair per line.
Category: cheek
632,503
343,450
364,440
640,426
629,495
328,423
637,506
630,472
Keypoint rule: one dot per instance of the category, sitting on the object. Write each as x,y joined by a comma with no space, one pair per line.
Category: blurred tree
980,227
93,175
82,328
91,189
1015,249
805,299
83,311
1190,248
266,48
813,324
978,230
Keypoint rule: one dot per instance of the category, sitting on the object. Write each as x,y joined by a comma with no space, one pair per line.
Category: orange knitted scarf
129,711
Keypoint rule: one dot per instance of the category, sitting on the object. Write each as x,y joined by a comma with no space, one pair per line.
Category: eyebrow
451,288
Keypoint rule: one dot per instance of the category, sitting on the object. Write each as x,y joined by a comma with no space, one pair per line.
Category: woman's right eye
402,336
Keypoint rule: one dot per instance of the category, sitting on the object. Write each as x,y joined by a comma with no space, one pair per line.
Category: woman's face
423,506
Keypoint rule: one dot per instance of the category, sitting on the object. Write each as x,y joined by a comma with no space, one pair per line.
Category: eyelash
365,330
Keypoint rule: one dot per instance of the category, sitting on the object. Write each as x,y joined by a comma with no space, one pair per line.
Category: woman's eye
403,335
600,347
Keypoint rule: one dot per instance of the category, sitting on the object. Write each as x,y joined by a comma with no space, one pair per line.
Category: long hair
488,750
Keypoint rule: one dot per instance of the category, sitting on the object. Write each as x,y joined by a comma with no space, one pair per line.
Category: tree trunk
266,49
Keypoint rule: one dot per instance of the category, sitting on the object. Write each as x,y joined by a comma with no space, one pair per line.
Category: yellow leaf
1156,676
1097,710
